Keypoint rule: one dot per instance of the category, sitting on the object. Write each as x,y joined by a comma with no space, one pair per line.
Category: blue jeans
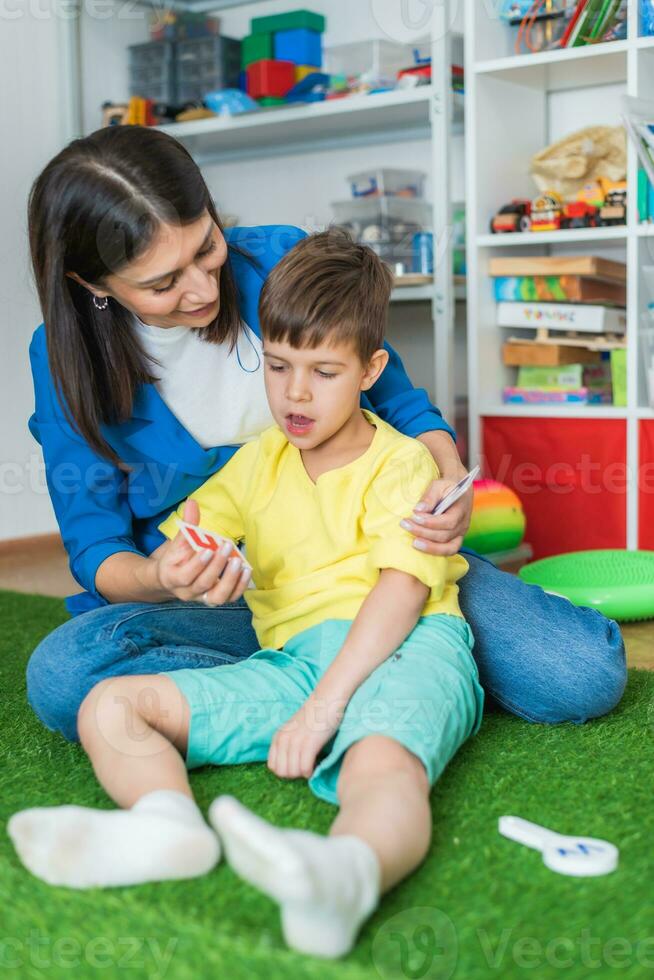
538,656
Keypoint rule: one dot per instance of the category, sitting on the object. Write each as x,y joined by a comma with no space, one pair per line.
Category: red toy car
579,214
515,216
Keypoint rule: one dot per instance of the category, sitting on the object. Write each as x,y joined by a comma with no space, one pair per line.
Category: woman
147,373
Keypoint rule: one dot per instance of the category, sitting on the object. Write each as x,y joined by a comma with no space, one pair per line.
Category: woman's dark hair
95,208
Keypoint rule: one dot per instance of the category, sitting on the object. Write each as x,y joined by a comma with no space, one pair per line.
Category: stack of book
576,308
593,21
576,384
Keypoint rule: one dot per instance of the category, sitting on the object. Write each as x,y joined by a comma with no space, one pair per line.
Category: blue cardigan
102,510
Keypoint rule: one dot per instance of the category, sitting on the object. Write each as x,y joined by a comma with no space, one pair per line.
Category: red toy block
270,77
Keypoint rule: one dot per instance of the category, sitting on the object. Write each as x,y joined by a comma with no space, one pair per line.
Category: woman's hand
295,746
442,535
209,577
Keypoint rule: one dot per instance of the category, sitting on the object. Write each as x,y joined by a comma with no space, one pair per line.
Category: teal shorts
426,696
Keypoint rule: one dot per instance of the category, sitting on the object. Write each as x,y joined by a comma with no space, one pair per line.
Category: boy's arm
386,617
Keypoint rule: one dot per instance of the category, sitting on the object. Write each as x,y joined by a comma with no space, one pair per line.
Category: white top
219,402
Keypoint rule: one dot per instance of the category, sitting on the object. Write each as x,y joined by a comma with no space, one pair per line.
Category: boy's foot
162,836
326,886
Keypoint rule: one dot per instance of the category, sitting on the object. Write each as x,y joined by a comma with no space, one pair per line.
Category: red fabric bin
646,486
570,474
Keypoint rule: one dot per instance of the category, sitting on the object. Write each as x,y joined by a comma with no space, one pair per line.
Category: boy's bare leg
133,730
328,886
384,796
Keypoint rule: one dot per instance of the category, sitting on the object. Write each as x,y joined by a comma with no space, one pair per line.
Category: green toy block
256,47
290,21
271,100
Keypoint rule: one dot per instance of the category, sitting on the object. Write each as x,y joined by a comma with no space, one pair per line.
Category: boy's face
313,392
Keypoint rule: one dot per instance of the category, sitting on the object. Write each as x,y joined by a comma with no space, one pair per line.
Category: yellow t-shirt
316,549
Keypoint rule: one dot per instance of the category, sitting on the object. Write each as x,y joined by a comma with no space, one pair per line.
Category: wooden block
546,355
585,341
558,265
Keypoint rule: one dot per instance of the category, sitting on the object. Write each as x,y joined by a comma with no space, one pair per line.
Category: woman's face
177,281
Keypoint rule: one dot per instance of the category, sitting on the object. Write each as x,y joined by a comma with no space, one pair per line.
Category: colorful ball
498,520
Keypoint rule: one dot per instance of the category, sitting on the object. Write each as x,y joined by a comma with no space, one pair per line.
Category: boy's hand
441,535
208,577
295,746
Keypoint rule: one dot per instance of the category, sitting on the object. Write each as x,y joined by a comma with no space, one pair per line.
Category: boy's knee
114,701
97,706
378,755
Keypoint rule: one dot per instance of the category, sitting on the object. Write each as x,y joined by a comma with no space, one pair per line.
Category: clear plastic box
388,182
387,224
384,210
375,60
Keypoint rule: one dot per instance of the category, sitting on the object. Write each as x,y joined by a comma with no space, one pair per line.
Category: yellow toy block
301,71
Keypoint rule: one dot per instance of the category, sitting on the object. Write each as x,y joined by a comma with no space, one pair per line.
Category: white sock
326,886
162,836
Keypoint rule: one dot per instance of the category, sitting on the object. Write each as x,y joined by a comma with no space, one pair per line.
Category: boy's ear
376,365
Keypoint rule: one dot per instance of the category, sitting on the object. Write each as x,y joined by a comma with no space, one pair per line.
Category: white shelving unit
507,122
360,119
431,112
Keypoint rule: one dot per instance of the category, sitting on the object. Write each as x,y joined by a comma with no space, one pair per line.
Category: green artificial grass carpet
480,906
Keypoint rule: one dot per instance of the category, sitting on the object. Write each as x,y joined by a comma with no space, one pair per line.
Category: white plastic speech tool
580,857
453,495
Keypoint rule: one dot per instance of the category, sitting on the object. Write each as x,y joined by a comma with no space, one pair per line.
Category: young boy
365,684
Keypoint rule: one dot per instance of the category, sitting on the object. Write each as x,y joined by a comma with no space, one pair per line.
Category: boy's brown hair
327,286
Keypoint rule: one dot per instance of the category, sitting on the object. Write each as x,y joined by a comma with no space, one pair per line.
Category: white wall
106,33
32,116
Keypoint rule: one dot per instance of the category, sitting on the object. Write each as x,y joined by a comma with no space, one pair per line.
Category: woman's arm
90,499
409,410
396,401
442,535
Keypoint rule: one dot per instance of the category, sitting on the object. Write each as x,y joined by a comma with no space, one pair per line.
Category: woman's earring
100,304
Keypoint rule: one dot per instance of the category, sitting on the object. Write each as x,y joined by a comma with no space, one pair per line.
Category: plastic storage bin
205,64
388,182
383,210
152,71
375,60
387,224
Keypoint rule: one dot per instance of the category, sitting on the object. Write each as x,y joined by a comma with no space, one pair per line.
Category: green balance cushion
618,583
